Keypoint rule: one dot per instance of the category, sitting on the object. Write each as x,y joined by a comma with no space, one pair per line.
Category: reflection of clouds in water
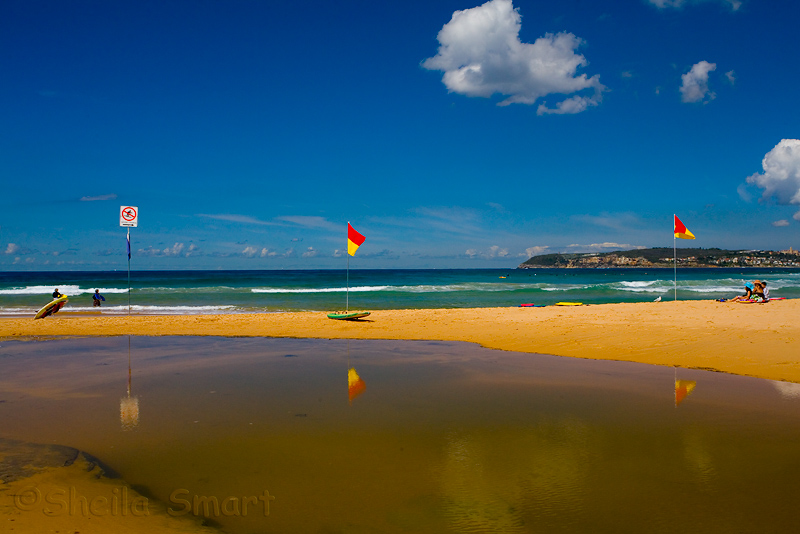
788,390
499,480
698,457
470,499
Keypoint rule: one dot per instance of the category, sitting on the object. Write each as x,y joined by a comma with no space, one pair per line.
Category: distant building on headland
790,251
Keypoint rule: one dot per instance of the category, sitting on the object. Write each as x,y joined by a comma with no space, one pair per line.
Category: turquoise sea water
180,292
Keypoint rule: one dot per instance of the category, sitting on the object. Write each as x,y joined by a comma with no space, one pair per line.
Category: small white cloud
309,221
493,252
536,251
338,253
481,55
267,253
616,221
12,248
695,83
626,74
678,4
744,193
174,250
782,222
250,252
230,217
596,247
309,253
111,196
497,207
796,216
192,250
496,251
731,76
781,176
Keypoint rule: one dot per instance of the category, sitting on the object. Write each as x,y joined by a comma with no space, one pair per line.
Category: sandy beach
754,340
759,340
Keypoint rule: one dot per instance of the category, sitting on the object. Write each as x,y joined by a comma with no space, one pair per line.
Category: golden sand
760,340
78,498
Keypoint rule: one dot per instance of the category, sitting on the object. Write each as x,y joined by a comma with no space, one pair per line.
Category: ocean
203,292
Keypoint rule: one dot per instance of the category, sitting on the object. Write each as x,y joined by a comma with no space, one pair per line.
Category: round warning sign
128,216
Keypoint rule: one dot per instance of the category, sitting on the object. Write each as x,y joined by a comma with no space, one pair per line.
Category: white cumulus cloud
695,83
310,253
781,176
481,54
12,248
779,224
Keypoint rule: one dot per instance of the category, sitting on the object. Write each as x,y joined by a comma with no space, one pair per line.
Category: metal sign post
129,217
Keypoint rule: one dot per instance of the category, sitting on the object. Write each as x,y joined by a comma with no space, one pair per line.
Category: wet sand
52,488
759,340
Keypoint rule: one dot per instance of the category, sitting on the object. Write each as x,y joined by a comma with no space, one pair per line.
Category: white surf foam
68,290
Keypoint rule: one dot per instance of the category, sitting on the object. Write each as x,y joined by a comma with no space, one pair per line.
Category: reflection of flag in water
355,386
681,231
682,389
354,240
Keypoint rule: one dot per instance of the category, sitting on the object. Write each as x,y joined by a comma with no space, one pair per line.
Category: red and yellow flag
355,386
681,232
682,389
354,240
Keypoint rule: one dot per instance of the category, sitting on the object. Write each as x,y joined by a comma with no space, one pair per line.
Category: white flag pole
347,298
674,257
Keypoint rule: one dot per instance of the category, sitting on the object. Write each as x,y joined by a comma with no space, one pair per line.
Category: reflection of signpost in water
129,217
129,406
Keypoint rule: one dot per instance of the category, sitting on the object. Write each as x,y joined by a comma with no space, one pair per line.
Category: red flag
354,240
681,231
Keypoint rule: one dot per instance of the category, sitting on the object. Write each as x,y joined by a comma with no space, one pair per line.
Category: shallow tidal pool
323,436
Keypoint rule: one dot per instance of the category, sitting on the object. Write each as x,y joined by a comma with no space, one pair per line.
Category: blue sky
449,133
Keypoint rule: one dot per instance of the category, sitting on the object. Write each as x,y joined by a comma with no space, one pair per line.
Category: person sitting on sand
748,293
97,297
761,293
757,295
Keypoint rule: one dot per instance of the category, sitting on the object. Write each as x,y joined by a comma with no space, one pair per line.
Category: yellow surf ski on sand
51,307
569,304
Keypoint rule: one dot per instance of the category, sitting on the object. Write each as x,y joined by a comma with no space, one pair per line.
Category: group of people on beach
756,291
96,298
